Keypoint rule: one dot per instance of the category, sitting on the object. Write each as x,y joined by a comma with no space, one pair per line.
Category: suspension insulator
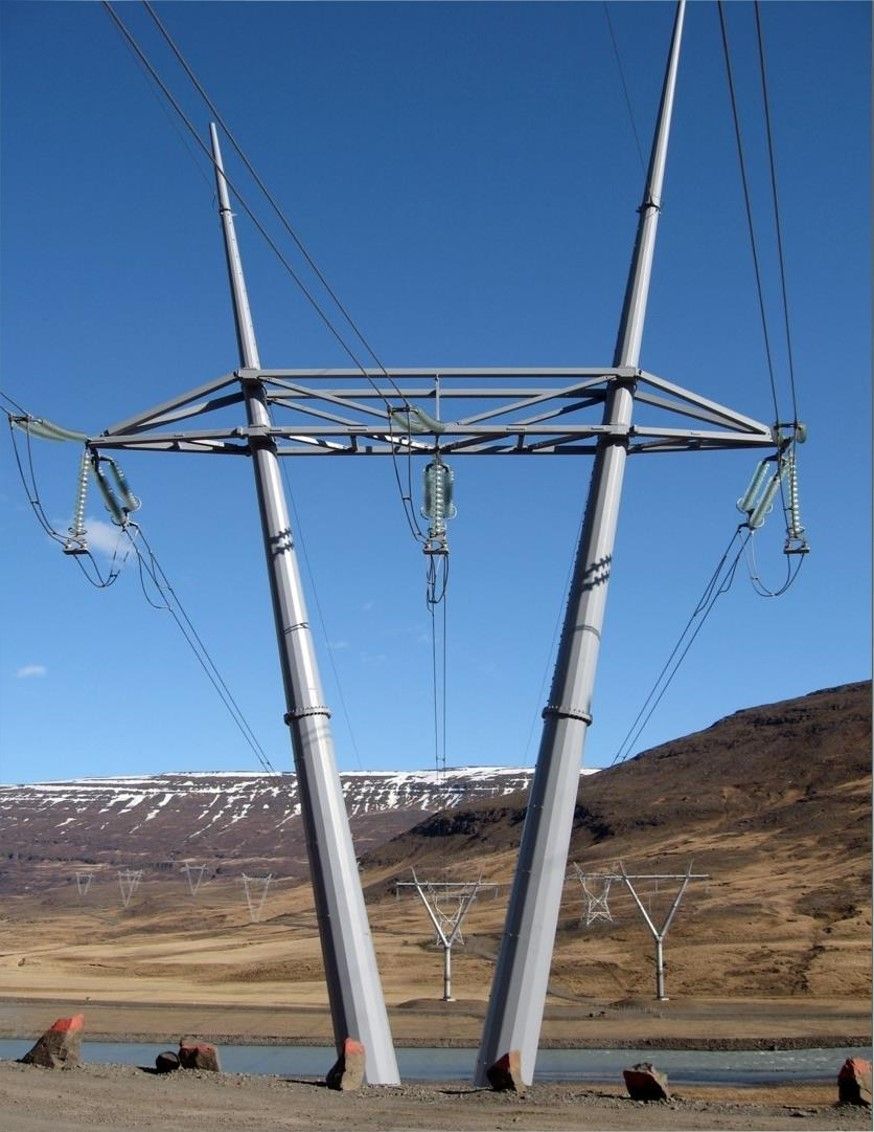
113,506
77,542
790,472
131,503
765,504
439,481
796,543
747,501
438,505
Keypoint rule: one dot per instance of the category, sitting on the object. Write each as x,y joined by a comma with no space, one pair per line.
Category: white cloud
338,646
102,536
29,670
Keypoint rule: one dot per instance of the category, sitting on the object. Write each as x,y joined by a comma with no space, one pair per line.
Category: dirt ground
125,1098
156,973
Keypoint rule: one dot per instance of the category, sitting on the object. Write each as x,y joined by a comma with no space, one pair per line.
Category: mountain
223,820
773,803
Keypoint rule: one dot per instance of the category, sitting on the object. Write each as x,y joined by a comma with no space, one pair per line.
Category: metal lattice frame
596,902
659,931
84,878
518,412
194,876
128,880
447,903
256,893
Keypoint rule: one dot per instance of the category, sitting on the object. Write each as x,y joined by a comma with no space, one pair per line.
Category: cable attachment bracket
772,473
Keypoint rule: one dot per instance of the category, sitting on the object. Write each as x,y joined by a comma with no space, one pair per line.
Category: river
730,1067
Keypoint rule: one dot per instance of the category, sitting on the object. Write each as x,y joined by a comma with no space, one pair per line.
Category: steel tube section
447,973
450,372
515,1011
357,1005
660,970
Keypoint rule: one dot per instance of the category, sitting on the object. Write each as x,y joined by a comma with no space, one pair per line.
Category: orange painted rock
506,1073
347,1073
854,1082
199,1055
59,1046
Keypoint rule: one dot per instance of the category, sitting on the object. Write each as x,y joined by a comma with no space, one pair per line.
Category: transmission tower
659,931
128,879
447,903
83,881
194,875
596,890
256,893
540,411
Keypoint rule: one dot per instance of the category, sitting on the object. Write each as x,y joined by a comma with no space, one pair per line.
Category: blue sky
467,178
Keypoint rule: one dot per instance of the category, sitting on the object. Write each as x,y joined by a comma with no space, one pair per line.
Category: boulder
167,1061
506,1073
854,1082
199,1055
347,1073
59,1046
645,1083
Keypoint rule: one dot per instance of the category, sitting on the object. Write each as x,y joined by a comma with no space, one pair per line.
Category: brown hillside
773,802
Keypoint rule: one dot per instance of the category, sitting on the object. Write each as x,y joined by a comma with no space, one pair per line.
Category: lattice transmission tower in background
447,903
84,878
194,876
128,881
659,927
596,891
256,889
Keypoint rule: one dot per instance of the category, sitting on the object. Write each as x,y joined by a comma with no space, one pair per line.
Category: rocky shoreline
834,1041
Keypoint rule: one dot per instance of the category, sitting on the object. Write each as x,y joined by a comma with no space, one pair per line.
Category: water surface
729,1067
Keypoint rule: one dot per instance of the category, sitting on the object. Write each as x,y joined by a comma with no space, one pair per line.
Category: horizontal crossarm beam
507,411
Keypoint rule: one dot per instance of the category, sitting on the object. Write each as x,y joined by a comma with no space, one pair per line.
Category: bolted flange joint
316,709
559,712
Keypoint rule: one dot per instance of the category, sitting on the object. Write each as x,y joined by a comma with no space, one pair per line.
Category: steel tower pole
518,995
354,990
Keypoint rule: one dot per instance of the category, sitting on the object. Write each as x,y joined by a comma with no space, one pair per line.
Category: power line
624,86
777,223
720,582
436,596
758,585
779,238
29,484
173,605
748,206
406,499
13,403
270,198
